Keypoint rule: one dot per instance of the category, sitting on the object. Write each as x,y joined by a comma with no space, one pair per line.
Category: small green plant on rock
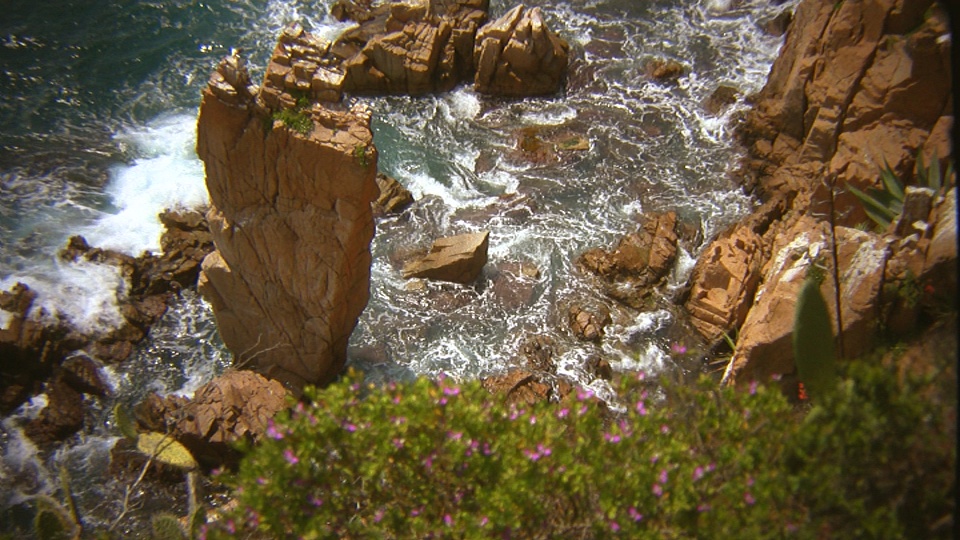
884,205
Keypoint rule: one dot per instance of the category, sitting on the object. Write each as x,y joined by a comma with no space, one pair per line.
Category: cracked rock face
291,191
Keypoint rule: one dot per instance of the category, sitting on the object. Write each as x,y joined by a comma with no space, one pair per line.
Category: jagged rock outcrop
459,259
291,186
517,55
639,262
857,86
393,198
42,353
235,406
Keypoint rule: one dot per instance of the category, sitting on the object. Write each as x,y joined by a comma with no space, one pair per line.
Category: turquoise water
97,114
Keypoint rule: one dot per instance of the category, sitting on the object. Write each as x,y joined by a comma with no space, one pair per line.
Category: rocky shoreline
837,105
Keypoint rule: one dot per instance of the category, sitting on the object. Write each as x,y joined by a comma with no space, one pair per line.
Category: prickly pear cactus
813,343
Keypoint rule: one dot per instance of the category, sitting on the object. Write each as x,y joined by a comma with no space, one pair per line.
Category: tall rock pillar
290,185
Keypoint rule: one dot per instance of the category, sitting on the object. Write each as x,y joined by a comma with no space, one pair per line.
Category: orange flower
802,392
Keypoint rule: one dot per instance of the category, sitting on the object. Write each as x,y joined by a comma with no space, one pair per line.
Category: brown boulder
521,387
664,70
720,99
459,259
723,283
62,417
588,324
393,198
291,193
640,261
236,406
517,55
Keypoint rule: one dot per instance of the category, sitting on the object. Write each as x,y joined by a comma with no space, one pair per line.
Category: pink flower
753,387
272,430
664,428
678,348
377,517
657,490
290,457
316,501
641,408
611,438
748,498
562,413
351,427
614,526
484,521
634,514
664,476
698,473
398,443
451,390
448,520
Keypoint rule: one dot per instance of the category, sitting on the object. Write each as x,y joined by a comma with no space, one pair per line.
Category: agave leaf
933,173
124,423
813,344
165,449
891,183
921,169
875,209
947,175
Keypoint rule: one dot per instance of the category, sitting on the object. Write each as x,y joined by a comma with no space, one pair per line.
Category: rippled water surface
97,114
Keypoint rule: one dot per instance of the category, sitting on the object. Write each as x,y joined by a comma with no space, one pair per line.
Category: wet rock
61,418
517,55
721,98
393,199
664,70
82,373
599,367
639,262
234,407
521,387
459,259
539,352
542,145
778,25
588,324
514,284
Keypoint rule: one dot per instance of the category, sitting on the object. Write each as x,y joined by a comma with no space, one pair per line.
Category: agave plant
884,205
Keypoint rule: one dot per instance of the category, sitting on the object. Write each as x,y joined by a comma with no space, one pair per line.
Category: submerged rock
459,259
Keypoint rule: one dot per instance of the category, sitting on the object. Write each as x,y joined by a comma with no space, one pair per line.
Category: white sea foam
5,318
83,293
165,174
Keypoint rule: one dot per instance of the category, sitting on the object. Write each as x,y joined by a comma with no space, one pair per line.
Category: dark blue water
97,114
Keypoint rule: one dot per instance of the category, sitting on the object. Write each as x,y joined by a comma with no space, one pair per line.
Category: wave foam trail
83,293
166,174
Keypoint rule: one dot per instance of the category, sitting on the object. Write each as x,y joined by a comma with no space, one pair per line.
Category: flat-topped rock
459,259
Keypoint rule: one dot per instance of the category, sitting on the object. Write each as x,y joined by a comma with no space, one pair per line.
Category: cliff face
291,218
858,85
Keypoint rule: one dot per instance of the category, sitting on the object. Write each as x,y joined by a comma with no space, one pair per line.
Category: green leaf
124,423
933,173
52,522
891,183
813,347
166,450
875,209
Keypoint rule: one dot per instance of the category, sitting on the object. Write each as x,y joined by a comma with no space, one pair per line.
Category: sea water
98,102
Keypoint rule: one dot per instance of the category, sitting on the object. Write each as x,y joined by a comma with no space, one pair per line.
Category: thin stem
836,264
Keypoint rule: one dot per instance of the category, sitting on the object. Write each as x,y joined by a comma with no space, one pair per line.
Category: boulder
723,283
514,284
639,262
459,259
522,387
517,55
61,418
720,99
291,188
588,324
393,198
664,70
236,406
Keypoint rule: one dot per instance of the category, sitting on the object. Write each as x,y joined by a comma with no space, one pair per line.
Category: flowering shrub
438,459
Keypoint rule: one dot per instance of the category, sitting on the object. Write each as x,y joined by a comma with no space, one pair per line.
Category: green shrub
443,460
295,119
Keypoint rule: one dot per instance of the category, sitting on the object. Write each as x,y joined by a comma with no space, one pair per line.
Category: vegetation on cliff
436,459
